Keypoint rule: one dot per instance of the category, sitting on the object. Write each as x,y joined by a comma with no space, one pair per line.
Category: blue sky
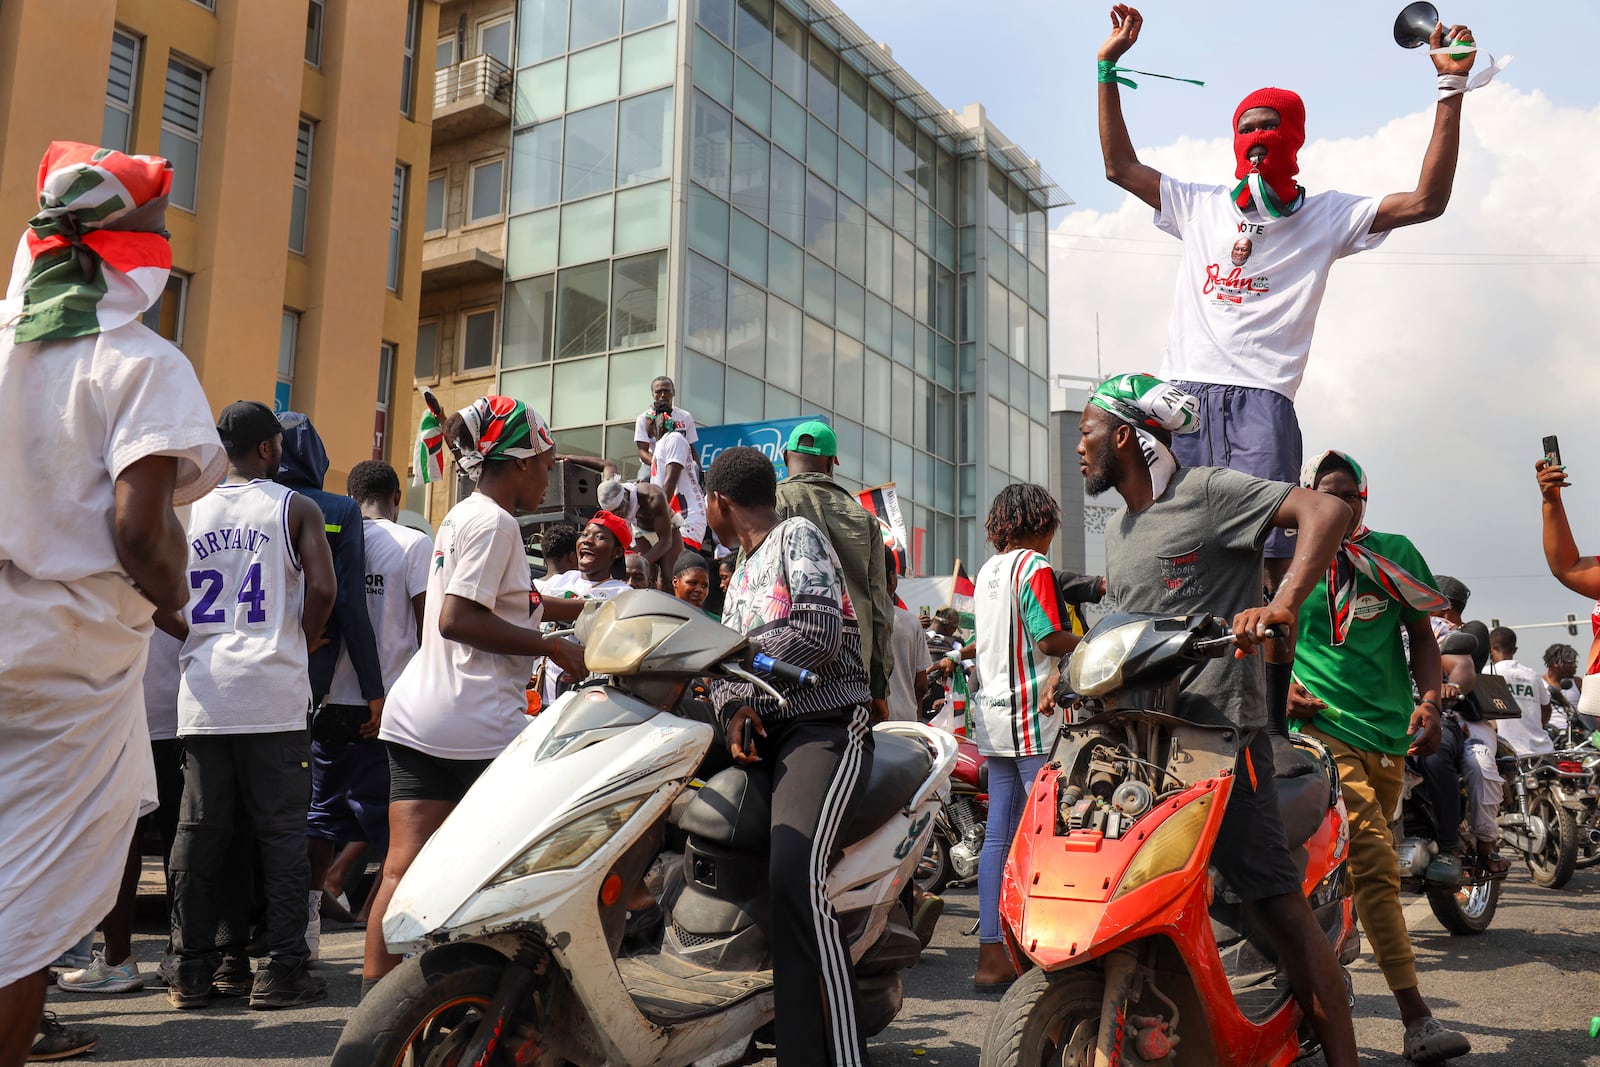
1031,63
1440,359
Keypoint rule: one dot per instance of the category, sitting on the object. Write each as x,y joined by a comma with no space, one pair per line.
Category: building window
182,115
116,131
444,53
427,365
209,5
408,60
314,14
302,186
380,416
486,190
288,344
477,339
433,215
165,316
397,211
494,38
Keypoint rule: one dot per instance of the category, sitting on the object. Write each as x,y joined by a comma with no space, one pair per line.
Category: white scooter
515,911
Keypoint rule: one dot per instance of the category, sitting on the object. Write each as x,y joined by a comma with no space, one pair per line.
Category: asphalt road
1523,992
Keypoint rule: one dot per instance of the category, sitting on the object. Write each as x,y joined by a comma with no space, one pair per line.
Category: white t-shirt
684,420
1248,289
690,499
454,701
910,656
570,585
161,677
1527,734
397,570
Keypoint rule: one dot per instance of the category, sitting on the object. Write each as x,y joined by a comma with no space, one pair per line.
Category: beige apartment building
298,131
463,247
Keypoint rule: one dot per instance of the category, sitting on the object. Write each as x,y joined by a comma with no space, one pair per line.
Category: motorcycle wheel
1046,1018
1470,909
934,869
1553,867
418,1016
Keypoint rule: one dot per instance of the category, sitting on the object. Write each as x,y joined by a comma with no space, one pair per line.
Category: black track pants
818,762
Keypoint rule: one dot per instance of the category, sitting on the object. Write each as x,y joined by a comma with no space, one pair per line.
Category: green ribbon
1109,71
1265,201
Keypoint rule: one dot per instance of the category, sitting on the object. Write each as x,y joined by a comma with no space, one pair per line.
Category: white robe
75,765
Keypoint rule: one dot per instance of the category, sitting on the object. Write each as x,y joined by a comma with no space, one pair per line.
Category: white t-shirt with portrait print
1249,287
454,701
690,499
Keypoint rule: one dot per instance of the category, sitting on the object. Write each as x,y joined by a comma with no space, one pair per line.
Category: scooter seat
1303,791
734,807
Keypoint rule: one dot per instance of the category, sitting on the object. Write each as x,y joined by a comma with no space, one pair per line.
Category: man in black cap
261,587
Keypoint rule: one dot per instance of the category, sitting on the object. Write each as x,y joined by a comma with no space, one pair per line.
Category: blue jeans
1010,780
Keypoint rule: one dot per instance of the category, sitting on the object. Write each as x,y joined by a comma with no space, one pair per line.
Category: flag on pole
962,591
430,450
885,506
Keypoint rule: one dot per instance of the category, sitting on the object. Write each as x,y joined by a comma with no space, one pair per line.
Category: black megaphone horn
1414,26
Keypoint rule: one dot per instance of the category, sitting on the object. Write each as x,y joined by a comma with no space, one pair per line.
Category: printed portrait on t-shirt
1241,251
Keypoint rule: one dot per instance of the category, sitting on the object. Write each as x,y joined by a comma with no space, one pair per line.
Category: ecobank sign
769,436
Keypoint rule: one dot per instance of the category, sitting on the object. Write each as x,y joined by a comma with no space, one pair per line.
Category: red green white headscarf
1147,403
96,256
501,428
1353,558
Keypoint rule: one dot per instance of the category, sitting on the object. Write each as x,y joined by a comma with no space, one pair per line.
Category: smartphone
1552,450
747,738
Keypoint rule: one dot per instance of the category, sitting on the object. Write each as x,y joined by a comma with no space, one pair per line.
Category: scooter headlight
617,646
1096,666
1169,848
573,843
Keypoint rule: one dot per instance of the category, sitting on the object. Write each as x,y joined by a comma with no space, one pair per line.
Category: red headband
1283,144
616,525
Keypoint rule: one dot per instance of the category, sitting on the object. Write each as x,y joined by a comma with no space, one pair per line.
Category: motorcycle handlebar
1212,644
785,672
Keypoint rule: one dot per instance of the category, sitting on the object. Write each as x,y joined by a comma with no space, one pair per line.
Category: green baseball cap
823,440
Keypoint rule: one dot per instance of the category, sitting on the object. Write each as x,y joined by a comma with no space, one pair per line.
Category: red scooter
1132,952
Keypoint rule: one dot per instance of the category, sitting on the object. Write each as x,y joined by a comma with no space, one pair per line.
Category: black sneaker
189,983
233,978
286,985
57,1042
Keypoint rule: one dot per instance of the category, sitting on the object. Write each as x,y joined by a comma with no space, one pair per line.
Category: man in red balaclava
1241,331
1255,263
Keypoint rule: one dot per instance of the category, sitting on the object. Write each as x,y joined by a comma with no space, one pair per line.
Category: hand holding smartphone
1552,450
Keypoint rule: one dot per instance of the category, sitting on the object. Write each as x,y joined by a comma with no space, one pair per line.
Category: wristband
1106,74
1434,703
1452,85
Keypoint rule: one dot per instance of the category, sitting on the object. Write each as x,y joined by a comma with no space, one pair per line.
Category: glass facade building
750,196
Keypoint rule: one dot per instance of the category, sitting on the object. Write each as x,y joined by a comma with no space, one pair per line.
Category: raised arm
1581,574
1428,200
1122,162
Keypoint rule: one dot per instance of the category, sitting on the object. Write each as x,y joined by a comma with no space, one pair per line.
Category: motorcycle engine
1415,854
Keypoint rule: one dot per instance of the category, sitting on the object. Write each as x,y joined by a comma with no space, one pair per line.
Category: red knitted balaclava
1283,144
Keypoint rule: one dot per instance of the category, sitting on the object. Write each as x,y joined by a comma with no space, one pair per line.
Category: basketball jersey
244,663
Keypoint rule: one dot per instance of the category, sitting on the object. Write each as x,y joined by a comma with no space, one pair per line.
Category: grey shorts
1251,851
1254,431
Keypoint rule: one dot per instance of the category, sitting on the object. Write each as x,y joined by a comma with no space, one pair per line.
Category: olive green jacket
857,539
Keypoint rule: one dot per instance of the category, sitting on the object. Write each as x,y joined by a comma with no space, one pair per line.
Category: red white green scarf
1353,558
96,256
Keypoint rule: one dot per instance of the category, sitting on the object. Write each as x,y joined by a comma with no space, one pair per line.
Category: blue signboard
769,435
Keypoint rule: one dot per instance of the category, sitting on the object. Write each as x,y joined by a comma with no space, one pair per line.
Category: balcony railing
480,76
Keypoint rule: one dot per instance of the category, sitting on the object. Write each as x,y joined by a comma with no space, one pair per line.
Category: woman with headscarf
462,699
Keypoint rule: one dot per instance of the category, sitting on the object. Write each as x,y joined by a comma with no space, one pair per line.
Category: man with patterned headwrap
104,429
1256,257
1189,540
1353,692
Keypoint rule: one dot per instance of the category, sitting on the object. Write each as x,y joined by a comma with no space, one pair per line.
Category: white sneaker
314,926
101,977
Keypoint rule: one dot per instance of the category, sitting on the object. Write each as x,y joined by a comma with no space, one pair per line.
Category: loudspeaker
1414,27
572,488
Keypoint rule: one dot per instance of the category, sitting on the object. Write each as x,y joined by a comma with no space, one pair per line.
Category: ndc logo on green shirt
1368,607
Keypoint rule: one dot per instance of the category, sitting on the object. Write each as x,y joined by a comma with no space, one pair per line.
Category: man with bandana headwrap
1189,540
1242,315
103,430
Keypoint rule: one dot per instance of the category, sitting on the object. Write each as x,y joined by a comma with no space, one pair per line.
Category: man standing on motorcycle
1353,693
788,593
1191,541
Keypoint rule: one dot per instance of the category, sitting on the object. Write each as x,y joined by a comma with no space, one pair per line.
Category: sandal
1495,866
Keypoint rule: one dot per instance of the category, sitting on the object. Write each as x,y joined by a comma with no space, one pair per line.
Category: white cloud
1441,372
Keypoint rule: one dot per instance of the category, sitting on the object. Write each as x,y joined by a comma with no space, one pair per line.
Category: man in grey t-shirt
1189,541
